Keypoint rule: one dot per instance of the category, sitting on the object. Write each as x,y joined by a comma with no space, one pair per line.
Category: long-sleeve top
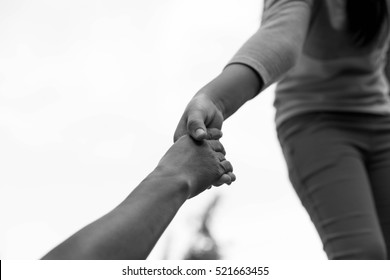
304,46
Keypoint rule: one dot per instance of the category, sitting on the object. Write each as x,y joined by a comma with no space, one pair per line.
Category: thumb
196,126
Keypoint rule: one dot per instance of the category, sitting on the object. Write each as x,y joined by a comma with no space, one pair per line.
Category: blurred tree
205,246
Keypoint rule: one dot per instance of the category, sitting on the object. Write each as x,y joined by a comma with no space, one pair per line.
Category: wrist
211,95
170,181
236,85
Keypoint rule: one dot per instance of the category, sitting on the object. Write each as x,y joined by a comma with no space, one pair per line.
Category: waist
347,120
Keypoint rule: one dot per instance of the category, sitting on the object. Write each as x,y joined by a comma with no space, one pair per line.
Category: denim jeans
339,165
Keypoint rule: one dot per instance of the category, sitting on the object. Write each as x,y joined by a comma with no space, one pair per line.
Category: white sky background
90,95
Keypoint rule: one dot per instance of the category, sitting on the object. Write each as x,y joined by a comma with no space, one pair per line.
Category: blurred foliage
205,246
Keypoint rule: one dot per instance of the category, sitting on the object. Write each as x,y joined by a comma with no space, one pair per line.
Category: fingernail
199,132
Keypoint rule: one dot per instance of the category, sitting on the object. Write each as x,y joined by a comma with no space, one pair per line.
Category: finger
217,146
224,179
227,166
220,157
232,176
196,126
213,134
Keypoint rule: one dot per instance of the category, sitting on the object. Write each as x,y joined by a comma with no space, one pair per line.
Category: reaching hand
200,163
201,113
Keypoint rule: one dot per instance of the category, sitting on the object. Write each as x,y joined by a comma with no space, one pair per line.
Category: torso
331,73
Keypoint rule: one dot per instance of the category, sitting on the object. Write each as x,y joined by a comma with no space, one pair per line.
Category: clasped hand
199,163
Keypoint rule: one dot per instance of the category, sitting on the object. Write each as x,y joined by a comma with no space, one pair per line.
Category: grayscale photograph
195,130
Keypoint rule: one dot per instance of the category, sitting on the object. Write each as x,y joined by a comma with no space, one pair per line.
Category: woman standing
332,103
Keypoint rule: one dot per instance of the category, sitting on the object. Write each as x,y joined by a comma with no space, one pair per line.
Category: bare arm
262,60
131,230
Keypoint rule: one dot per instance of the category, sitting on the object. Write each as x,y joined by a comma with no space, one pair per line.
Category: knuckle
212,144
221,156
191,123
214,133
222,168
223,151
228,166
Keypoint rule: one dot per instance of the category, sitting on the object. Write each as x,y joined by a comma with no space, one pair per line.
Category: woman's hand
218,100
200,118
200,114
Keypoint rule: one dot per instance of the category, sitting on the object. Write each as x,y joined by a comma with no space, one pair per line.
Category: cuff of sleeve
257,67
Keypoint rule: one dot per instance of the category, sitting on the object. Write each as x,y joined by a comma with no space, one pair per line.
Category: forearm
131,230
264,58
236,85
